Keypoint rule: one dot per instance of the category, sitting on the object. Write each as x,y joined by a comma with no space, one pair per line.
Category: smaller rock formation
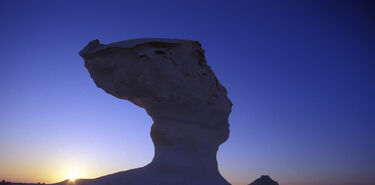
264,180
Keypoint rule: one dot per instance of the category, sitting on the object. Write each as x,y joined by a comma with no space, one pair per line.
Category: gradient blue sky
301,75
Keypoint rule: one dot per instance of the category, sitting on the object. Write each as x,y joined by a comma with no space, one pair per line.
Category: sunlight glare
72,176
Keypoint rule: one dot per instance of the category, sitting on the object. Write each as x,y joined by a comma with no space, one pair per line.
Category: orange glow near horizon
57,168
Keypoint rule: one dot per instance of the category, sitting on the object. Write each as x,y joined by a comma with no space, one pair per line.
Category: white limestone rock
171,80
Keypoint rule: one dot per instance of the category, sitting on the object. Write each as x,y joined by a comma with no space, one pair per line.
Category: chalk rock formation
171,80
264,180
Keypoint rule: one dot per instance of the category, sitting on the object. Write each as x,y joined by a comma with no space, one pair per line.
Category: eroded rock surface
171,80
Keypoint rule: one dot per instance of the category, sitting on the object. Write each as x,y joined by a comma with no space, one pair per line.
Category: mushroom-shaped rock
264,180
171,80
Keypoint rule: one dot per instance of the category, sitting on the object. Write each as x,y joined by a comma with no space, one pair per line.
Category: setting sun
72,176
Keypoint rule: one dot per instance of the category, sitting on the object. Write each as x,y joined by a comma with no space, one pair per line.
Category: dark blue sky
301,75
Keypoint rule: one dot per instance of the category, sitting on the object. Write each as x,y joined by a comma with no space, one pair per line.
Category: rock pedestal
171,80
